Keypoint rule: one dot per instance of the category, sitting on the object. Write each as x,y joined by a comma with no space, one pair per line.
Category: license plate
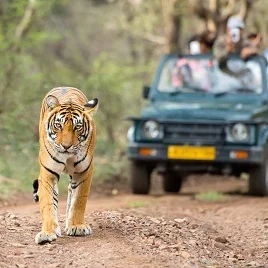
191,152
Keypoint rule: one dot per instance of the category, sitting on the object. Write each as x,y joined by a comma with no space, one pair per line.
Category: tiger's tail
35,191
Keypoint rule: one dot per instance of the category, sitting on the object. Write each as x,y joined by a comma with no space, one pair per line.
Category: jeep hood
205,111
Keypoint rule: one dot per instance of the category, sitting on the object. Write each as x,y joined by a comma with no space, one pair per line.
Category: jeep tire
258,181
140,178
172,182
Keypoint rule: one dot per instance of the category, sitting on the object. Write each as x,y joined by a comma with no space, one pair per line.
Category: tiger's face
69,126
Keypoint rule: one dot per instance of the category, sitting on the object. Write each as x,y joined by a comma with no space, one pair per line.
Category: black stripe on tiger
85,129
51,171
50,126
55,201
71,106
54,158
74,186
85,170
55,198
81,160
76,114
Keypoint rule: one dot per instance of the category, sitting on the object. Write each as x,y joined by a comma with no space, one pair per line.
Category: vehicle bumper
224,154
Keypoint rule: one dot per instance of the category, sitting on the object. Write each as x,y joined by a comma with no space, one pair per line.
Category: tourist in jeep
201,43
207,39
233,43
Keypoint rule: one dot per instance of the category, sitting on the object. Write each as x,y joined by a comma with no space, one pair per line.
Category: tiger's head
69,125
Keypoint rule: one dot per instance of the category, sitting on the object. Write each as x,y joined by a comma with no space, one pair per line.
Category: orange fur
67,136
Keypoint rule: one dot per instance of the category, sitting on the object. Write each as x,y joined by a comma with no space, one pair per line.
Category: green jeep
200,118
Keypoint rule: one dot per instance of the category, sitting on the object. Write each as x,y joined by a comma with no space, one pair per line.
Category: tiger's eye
57,125
78,126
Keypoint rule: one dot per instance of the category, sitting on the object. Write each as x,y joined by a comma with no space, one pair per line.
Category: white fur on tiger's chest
69,166
72,167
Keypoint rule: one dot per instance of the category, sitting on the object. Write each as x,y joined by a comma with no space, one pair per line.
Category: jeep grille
194,134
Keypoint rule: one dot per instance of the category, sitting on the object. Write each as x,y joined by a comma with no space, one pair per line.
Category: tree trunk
172,21
128,11
174,34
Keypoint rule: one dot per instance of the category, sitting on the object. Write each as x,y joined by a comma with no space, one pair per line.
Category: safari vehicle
201,118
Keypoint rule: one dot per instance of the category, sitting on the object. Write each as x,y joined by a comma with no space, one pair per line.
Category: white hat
235,22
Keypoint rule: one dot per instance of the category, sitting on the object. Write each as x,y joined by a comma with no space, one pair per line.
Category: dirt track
146,231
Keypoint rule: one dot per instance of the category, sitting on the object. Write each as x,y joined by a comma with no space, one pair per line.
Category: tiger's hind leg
35,191
48,202
78,192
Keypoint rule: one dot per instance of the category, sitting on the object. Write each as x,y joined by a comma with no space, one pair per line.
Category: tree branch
246,6
201,10
25,22
157,39
228,10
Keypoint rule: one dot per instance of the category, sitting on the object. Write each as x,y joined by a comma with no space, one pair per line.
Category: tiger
67,138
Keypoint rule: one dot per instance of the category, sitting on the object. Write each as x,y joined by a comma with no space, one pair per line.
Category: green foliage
110,161
137,204
8,187
115,84
211,196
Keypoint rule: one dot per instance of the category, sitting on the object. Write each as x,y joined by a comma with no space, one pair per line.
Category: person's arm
248,50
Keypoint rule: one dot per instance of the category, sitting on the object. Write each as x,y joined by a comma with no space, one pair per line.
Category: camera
195,48
235,35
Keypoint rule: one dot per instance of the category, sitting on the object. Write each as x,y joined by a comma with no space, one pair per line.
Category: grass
8,187
137,204
211,196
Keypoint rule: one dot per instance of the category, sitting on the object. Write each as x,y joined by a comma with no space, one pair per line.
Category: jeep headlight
152,130
130,134
240,133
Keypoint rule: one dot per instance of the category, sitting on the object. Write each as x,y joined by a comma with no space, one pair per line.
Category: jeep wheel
258,181
140,178
172,182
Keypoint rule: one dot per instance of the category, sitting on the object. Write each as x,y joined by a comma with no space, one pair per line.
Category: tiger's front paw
78,230
43,238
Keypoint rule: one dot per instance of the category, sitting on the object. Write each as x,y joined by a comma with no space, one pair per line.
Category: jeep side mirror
145,93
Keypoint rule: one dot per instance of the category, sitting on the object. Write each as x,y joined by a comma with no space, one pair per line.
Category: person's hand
248,51
258,40
230,45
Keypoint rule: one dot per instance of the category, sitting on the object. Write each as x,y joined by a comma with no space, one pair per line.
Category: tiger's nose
66,147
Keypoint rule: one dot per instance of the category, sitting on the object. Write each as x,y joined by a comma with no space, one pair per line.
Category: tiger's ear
52,102
92,106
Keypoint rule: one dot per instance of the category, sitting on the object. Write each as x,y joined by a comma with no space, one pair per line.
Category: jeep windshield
192,74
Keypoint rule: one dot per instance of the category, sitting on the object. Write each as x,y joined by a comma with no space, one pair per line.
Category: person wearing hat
232,43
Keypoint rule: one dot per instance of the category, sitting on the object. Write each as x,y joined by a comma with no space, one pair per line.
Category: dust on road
146,231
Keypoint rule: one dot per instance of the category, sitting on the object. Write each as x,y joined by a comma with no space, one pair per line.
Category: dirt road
146,231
